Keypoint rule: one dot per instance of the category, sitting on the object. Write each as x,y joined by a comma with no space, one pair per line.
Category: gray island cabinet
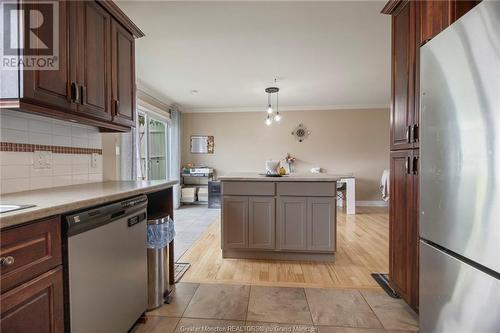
286,218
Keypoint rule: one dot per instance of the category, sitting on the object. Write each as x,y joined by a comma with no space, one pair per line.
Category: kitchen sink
10,208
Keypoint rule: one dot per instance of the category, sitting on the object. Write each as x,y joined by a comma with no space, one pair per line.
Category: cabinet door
292,223
261,224
94,59
321,224
35,306
122,75
51,88
435,16
403,227
235,222
403,75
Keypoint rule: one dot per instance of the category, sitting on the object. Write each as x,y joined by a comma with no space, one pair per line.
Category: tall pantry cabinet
413,23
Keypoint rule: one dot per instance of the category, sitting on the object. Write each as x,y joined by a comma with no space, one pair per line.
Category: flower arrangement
290,160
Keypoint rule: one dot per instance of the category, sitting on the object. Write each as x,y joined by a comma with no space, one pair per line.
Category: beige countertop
294,177
60,200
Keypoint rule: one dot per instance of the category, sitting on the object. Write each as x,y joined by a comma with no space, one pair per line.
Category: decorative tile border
29,148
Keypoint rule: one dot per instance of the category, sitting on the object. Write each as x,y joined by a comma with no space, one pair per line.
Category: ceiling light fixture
269,121
270,110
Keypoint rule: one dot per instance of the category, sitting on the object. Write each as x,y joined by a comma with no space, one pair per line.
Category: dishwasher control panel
132,209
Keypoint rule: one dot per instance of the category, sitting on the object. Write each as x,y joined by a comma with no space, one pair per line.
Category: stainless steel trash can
158,271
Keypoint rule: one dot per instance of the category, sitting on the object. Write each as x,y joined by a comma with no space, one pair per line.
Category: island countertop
60,200
294,177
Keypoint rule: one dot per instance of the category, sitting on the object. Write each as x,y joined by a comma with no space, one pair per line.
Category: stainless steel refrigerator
460,175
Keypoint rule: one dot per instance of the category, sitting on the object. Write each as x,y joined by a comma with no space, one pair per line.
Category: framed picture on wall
202,144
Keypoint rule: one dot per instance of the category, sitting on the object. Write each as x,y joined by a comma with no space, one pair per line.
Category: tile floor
190,223
238,308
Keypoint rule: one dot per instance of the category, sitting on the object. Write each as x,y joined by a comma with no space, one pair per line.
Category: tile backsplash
71,145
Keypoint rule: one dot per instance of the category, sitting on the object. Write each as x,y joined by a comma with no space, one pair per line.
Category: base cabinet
321,216
235,222
36,306
267,220
292,223
403,225
31,278
307,223
261,223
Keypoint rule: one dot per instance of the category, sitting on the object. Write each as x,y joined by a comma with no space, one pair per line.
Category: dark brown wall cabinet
404,114
438,15
403,229
31,278
413,24
95,82
122,75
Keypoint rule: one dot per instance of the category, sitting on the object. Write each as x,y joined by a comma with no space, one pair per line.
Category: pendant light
270,110
277,117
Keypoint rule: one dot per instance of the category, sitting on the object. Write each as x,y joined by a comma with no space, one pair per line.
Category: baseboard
374,203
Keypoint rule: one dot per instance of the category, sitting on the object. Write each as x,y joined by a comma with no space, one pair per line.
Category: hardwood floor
362,248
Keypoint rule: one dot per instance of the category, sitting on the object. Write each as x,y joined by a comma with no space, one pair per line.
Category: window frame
149,114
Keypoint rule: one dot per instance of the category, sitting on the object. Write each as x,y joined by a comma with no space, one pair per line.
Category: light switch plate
42,159
93,160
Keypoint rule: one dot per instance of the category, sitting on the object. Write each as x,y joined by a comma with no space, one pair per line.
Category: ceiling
326,55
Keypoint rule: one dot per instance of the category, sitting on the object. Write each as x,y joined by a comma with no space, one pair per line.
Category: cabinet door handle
116,105
415,133
75,92
408,134
414,166
407,164
84,95
7,261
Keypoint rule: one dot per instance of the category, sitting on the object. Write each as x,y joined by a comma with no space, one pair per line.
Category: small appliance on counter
194,184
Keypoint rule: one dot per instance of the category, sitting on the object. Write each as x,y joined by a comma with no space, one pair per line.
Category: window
153,146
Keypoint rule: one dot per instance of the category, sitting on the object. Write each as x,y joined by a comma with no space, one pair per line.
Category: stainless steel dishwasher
107,266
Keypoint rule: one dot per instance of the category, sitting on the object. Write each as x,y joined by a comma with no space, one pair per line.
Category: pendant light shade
277,117
269,121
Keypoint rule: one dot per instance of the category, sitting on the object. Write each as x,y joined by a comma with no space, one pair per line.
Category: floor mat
383,281
179,271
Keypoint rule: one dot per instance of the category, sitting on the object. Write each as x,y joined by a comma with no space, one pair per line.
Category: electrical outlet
42,159
94,160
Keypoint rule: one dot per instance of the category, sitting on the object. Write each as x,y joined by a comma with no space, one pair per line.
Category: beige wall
341,141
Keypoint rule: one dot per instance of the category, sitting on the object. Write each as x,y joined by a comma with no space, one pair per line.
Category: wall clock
301,132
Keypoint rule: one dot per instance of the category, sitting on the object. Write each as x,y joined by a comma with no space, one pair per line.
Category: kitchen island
286,218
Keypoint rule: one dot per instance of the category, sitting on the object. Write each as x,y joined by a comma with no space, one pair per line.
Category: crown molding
285,108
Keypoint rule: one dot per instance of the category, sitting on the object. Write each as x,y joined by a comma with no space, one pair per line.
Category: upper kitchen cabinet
92,45
122,75
435,16
49,88
93,59
404,114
